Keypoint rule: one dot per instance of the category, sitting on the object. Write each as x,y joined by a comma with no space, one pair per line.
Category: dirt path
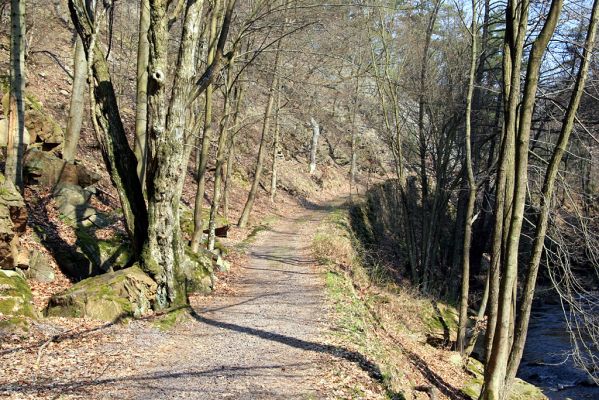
267,340
263,342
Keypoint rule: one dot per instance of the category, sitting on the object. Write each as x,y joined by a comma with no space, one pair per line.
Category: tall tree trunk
463,315
221,153
247,209
141,100
496,368
77,107
238,98
314,144
16,111
275,146
110,132
521,328
198,229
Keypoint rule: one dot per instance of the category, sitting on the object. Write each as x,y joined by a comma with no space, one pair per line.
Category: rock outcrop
108,297
16,301
13,221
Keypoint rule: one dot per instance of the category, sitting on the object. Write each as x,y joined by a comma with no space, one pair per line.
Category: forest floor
263,335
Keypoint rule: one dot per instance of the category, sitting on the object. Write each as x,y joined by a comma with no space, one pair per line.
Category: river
545,362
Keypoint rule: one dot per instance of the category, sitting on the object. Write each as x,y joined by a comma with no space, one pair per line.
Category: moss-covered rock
199,272
105,254
521,390
41,126
13,221
186,219
16,301
126,293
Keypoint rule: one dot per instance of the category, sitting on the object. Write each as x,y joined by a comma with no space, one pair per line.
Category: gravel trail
264,342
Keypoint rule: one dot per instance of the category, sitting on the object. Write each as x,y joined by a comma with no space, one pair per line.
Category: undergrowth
371,311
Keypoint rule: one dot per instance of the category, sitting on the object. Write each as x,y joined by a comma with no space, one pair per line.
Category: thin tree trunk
247,209
496,370
238,97
110,132
275,146
314,144
220,162
16,113
463,314
141,101
77,106
198,228
521,328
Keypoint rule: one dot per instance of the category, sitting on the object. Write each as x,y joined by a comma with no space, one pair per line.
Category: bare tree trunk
275,146
247,209
110,132
77,106
314,144
463,314
238,98
220,162
198,229
521,328
16,112
141,101
496,368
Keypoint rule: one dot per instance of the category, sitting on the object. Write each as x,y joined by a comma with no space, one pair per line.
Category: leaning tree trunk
141,100
463,314
247,209
314,144
198,228
16,109
118,156
77,106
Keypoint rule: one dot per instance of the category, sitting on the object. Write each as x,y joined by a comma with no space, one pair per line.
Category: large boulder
126,293
42,128
40,268
44,168
16,300
521,390
4,134
13,222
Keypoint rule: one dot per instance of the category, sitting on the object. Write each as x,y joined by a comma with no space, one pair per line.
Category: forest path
263,342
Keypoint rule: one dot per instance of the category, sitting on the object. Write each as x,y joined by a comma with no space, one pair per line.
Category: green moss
171,319
16,302
107,297
187,224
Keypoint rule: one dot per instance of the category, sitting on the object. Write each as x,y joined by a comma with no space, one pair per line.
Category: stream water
545,362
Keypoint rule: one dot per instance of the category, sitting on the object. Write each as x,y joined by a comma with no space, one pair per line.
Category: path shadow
359,359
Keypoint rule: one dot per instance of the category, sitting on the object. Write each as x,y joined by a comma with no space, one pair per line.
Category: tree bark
463,313
314,144
275,146
247,209
118,156
77,106
141,100
16,113
496,368
521,328
198,230
221,153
